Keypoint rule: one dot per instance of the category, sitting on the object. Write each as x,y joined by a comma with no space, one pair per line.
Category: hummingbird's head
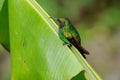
63,21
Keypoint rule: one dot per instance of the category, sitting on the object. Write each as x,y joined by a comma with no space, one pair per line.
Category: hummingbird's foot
69,45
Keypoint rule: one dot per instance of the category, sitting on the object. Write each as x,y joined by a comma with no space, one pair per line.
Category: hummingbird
69,35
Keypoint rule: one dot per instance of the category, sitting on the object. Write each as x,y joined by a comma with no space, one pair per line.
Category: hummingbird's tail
82,50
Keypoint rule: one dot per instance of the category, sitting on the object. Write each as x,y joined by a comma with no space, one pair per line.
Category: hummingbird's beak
54,18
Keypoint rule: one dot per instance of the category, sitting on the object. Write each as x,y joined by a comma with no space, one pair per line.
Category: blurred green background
98,22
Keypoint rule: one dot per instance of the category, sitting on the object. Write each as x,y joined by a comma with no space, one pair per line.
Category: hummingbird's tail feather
82,50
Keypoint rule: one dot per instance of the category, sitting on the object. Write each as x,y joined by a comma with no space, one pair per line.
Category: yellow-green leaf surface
36,51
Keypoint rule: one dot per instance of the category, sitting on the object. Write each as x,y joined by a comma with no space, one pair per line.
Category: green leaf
4,25
36,51
1,4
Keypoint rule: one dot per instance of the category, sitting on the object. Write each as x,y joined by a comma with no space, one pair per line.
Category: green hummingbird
69,35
